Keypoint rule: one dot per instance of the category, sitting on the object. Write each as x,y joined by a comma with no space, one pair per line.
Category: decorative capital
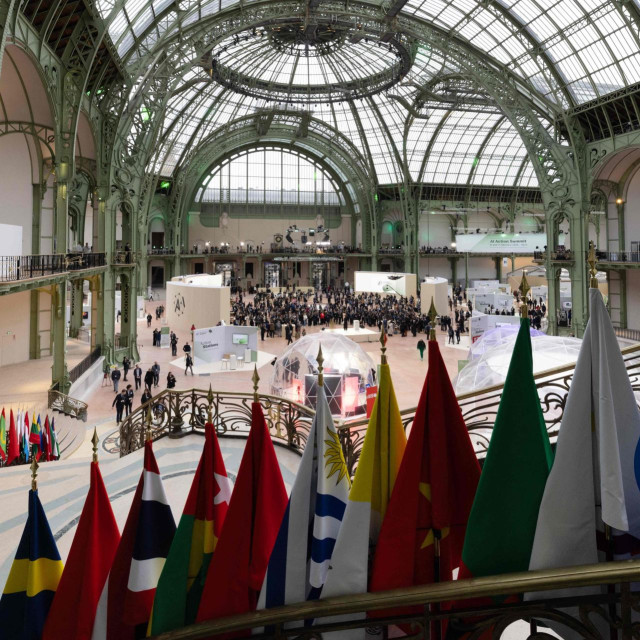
524,289
433,314
591,259
383,347
34,473
256,379
148,432
320,359
94,442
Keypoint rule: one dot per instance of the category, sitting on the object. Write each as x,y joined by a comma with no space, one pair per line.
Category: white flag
593,480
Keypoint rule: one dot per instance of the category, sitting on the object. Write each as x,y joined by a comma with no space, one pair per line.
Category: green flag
503,518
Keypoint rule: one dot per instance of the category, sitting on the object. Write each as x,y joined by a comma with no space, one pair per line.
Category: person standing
119,402
171,380
451,334
148,379
189,365
458,335
129,405
115,378
149,319
421,347
174,344
146,396
156,374
137,376
126,365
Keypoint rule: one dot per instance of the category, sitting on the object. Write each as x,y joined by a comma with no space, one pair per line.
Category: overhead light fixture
288,237
326,237
304,238
619,200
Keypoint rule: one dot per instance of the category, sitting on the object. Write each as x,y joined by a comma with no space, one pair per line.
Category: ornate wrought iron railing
13,268
180,412
177,413
84,364
66,404
609,612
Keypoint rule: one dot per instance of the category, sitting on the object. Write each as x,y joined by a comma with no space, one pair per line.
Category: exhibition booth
437,289
382,282
197,300
348,372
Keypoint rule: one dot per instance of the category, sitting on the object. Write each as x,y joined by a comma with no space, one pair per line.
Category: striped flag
34,436
33,578
125,604
180,585
3,436
301,555
376,473
55,445
25,436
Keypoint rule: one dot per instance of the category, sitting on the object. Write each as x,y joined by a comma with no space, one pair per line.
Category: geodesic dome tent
347,372
492,366
496,337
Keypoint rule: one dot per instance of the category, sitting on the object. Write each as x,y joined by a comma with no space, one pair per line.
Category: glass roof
566,52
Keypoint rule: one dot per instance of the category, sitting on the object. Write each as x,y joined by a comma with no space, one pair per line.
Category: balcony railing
164,251
179,412
63,403
556,256
608,613
13,268
618,256
84,364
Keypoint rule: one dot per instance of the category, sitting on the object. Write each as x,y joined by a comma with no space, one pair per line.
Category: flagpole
94,443
437,533
608,535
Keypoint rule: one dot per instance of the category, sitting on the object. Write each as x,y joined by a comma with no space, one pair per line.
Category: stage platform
202,368
357,335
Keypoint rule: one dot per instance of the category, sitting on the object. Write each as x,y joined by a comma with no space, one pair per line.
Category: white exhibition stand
383,282
214,343
438,289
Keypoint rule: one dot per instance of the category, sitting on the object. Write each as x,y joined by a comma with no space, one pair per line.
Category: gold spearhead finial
433,314
94,442
524,289
34,473
148,432
256,379
320,359
210,407
383,348
592,265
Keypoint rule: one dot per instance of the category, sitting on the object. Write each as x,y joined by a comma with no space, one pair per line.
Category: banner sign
502,242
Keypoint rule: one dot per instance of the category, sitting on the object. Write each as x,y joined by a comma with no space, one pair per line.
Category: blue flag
33,578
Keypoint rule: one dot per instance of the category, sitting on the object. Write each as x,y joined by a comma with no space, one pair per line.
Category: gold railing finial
148,433
210,405
256,379
593,283
433,314
34,473
94,443
383,347
524,289
320,359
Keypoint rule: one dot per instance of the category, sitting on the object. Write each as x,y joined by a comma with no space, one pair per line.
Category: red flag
433,493
92,551
14,442
258,503
47,439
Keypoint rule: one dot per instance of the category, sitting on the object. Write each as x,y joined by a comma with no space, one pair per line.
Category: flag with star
182,579
433,493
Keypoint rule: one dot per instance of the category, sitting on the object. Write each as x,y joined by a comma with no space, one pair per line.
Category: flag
33,578
503,518
3,436
14,445
55,445
43,436
433,493
258,503
34,436
376,473
300,559
46,439
594,480
126,600
94,545
182,579
25,436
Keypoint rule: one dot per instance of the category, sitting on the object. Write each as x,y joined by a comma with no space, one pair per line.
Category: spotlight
326,237
288,237
304,238
619,201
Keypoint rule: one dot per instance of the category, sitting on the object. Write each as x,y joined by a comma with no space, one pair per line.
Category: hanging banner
502,242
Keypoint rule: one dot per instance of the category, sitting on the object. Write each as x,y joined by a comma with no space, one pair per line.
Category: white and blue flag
300,559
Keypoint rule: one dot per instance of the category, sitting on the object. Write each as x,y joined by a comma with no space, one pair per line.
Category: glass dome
348,370
492,366
496,337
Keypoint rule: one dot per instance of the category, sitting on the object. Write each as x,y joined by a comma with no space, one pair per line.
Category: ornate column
59,373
